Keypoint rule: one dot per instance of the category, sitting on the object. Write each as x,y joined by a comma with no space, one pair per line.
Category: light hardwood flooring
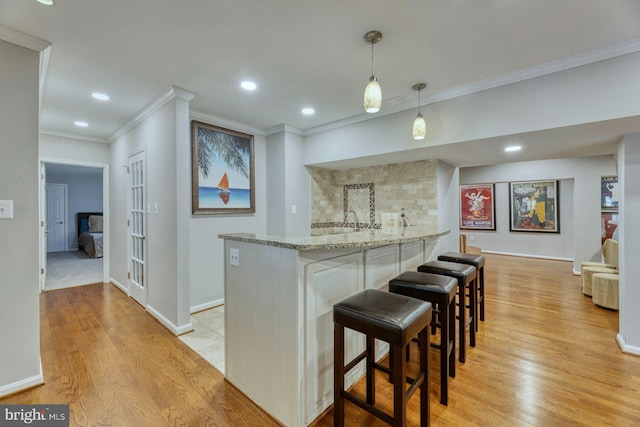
546,355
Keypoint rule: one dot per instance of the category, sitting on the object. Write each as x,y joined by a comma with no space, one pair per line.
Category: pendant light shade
373,91
419,125
373,96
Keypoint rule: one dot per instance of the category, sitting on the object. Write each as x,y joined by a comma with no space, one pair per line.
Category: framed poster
477,207
609,225
609,193
534,206
222,170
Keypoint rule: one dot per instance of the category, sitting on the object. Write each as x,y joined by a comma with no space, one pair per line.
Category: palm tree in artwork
232,149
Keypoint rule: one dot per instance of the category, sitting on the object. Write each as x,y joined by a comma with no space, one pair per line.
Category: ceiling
303,53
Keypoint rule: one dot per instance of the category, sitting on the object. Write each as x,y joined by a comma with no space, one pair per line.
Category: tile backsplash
370,191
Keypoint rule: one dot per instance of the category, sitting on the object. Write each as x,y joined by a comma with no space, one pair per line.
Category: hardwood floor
116,366
546,355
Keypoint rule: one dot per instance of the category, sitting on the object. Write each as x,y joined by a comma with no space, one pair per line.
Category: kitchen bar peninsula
279,297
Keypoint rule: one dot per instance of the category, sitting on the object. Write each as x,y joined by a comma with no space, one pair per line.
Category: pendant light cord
372,59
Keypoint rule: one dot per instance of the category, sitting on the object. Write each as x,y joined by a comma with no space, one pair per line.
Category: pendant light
373,92
419,125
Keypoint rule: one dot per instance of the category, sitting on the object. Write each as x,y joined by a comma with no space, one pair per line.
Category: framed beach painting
222,168
534,206
477,207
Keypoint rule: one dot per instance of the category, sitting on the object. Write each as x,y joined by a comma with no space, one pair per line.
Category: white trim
219,121
554,258
613,51
577,273
629,349
118,285
168,324
153,106
206,305
284,128
72,136
22,39
24,384
44,69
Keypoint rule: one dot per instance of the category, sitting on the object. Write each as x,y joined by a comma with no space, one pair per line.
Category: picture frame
609,193
533,206
477,207
222,170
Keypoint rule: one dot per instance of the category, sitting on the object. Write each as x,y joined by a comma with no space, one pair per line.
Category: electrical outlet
234,257
6,209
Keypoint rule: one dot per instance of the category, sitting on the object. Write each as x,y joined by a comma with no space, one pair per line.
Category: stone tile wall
373,190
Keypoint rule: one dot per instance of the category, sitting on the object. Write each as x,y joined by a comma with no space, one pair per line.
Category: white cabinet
327,283
411,255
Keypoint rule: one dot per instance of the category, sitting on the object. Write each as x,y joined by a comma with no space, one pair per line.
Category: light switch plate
6,209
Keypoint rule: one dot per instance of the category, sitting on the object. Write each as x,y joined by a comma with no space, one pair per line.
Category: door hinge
128,223
129,275
42,271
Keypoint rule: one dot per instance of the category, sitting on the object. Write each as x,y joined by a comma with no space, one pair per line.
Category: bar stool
440,291
478,262
466,276
395,319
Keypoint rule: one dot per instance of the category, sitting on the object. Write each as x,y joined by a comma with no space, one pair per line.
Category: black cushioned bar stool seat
478,262
466,276
440,291
395,319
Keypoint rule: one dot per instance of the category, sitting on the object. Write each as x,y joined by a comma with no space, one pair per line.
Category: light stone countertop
355,239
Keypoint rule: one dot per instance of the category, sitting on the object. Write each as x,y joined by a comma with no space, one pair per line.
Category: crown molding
564,64
152,107
72,136
44,69
284,128
219,121
22,39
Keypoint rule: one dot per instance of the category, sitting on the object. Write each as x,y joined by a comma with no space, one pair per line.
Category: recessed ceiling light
100,96
81,124
46,2
513,148
308,111
247,85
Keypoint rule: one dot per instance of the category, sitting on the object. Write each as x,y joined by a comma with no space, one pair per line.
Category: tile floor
207,339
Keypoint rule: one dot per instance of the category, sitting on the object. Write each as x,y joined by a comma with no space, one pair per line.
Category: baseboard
554,258
176,330
119,285
630,349
206,306
577,272
23,385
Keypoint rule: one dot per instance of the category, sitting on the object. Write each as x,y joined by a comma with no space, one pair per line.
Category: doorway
66,189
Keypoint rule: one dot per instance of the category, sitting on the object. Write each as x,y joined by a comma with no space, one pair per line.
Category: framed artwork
222,170
477,207
609,193
534,206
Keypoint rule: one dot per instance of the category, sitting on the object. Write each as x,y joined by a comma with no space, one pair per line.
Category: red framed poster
477,207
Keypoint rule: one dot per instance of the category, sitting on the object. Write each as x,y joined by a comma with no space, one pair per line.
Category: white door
56,217
137,245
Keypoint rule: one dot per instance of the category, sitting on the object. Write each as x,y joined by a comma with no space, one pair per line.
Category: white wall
19,293
629,237
579,238
164,135
448,205
71,149
276,178
206,261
